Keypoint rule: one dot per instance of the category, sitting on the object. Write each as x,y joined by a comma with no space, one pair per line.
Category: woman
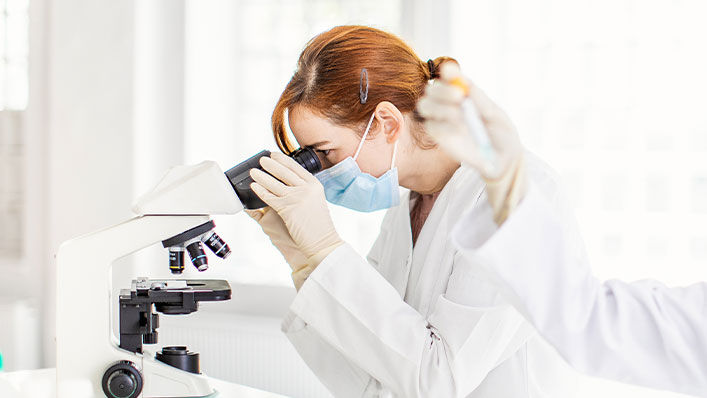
415,319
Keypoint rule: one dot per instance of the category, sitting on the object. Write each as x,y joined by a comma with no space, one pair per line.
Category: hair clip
363,91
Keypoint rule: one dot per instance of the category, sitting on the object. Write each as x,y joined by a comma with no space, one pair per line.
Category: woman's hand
441,106
298,198
275,229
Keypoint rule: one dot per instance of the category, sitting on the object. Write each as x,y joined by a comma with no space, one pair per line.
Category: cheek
326,163
331,159
338,156
373,164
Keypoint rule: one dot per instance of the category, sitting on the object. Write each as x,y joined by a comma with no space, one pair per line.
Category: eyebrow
318,144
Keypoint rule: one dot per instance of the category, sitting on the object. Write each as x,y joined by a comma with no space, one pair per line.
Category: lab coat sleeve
642,333
350,306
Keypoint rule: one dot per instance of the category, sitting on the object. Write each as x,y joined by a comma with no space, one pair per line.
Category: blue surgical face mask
346,185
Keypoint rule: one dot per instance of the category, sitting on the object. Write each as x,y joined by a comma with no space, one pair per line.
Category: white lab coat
641,333
422,321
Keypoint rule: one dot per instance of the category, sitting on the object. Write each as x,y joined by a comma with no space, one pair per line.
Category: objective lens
198,257
176,259
216,244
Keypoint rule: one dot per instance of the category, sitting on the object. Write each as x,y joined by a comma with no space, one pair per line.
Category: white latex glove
298,197
275,229
441,107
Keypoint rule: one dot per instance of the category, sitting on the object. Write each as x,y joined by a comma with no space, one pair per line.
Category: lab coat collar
399,274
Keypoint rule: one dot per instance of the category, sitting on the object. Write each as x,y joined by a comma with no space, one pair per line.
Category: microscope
91,360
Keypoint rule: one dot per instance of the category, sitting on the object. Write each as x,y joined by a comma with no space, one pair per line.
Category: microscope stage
165,290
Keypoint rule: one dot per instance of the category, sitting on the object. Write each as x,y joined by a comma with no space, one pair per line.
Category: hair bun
435,65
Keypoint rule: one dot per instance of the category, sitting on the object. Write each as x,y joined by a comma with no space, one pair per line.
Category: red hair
329,73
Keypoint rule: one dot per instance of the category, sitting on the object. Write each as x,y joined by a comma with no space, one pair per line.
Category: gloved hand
441,106
298,197
275,229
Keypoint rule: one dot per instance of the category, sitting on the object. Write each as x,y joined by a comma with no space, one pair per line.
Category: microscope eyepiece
307,158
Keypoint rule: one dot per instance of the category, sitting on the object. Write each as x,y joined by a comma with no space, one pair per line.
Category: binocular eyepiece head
239,176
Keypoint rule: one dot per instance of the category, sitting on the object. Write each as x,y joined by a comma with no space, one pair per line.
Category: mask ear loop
395,151
365,134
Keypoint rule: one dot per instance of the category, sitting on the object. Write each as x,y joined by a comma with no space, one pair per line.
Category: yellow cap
461,84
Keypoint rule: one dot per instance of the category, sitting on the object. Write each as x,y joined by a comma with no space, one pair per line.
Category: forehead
310,128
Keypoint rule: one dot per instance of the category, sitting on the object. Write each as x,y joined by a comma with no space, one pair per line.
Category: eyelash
324,152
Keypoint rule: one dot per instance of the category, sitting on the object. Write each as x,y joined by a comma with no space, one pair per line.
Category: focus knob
122,380
121,384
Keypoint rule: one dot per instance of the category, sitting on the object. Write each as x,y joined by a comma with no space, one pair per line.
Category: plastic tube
452,75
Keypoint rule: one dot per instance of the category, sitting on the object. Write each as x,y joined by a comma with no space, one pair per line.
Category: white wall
89,128
22,278
106,121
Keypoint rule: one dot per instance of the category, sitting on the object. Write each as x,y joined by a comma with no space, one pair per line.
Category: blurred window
13,100
14,24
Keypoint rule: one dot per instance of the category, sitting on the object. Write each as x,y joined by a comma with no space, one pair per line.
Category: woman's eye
323,155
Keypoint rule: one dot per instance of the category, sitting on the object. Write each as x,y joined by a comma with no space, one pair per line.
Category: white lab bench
42,384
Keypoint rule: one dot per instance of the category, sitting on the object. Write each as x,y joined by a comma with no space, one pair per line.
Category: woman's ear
390,119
